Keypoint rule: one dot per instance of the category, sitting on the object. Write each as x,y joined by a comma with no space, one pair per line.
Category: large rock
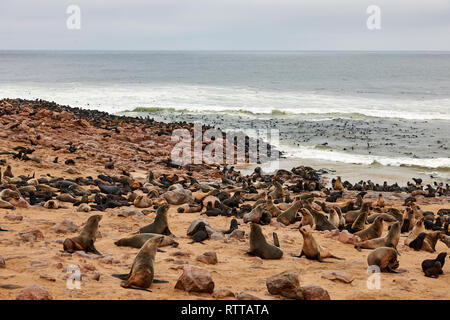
347,237
285,284
237,234
178,195
66,226
195,279
312,292
223,293
34,292
32,234
209,257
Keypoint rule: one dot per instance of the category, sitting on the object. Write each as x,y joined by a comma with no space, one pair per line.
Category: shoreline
136,146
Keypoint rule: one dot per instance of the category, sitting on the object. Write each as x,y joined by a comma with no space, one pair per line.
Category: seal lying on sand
139,240
390,240
85,241
259,246
142,271
385,258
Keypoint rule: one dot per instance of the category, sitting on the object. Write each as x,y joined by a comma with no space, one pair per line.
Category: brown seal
277,193
390,240
307,218
289,216
142,271
373,231
351,216
254,215
160,224
137,241
312,250
418,229
259,246
271,208
430,240
385,258
360,222
85,241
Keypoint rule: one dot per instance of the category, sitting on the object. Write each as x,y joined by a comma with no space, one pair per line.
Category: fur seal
200,233
254,215
320,220
360,222
430,240
233,226
289,216
385,258
334,218
137,241
418,229
160,224
142,201
430,268
416,244
312,250
351,216
445,239
307,218
373,231
142,271
390,240
278,192
85,241
271,208
259,246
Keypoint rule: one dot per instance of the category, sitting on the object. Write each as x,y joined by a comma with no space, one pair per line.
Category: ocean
369,108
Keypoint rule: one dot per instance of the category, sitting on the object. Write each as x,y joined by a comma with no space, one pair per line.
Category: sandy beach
138,146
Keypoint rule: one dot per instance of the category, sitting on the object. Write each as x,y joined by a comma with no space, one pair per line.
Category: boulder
195,279
313,292
34,292
178,195
209,257
285,284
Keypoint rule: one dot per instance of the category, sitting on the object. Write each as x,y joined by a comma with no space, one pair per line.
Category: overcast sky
225,25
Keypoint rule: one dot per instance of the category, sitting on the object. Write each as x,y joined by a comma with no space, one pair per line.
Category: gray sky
225,25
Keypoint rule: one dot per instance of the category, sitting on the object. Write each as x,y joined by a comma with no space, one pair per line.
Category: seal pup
373,231
445,239
385,258
200,233
142,201
271,208
390,240
431,264
160,224
307,218
137,241
142,271
85,241
312,250
8,172
334,218
277,193
259,246
233,226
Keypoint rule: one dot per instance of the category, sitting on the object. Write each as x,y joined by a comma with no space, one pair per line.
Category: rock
217,236
178,195
46,277
66,226
34,292
96,277
347,237
2,262
32,234
334,234
88,267
237,234
128,213
180,253
13,217
312,292
195,279
285,284
338,275
222,293
247,296
403,283
209,257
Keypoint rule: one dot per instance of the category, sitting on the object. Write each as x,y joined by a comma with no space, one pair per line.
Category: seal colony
74,181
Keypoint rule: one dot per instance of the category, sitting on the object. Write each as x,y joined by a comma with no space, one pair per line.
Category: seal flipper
276,242
334,257
299,256
136,288
3,229
159,250
160,281
121,276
